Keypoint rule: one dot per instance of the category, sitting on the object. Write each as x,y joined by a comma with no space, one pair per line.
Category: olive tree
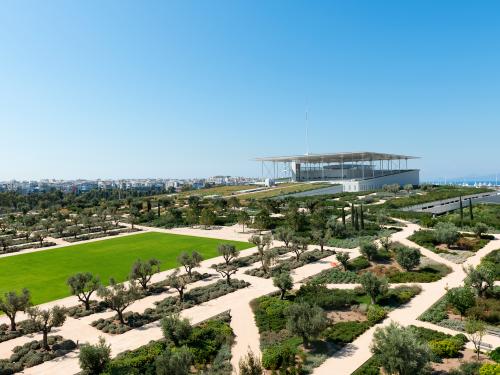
95,358
226,271
174,362
399,350
207,218
179,283
480,229
305,321
143,271
408,257
481,278
299,246
373,285
262,243
343,258
446,233
83,285
368,249
283,281
45,320
475,330
284,234
190,261
176,329
461,298
228,252
12,303
118,297
321,237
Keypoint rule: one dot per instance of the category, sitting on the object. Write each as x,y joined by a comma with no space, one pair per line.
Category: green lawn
45,273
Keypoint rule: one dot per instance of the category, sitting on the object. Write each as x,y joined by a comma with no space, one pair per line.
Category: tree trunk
228,279
87,304
45,341
282,296
181,295
321,247
120,316
12,323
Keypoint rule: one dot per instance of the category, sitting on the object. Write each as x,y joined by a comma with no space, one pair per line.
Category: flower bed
169,305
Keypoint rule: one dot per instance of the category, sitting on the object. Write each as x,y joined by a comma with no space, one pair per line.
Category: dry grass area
283,189
453,363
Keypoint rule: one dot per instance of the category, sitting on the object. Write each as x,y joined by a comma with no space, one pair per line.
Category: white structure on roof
355,171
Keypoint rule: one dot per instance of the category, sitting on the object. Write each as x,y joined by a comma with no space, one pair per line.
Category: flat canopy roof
337,157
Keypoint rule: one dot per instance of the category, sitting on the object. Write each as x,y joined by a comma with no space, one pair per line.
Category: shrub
345,332
358,264
447,348
279,356
375,314
94,358
489,369
270,313
328,299
495,354
436,313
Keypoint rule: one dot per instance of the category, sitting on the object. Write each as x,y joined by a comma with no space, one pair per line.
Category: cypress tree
158,208
343,216
461,213
352,214
361,217
470,210
356,220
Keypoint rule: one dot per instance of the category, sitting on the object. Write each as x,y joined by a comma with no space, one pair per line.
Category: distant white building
355,171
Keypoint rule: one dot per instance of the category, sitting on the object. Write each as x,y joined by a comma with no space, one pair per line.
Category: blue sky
196,88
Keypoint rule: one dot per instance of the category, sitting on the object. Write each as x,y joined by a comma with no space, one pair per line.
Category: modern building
355,171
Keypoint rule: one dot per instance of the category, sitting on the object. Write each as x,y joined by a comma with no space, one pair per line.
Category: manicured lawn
45,273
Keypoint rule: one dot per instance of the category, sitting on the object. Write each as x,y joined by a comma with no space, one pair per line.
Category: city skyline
183,90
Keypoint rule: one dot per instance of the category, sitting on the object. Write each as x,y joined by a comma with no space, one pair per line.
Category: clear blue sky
196,88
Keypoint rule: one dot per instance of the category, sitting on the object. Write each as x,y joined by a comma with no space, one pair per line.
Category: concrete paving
243,324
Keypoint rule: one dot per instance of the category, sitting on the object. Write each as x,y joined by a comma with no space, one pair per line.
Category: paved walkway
243,324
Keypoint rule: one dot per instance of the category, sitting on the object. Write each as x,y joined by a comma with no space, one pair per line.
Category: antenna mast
307,134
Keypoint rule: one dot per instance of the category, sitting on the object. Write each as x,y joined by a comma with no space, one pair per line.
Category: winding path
247,336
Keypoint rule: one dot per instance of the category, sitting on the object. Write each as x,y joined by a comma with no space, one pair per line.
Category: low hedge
335,276
23,328
345,332
495,354
31,354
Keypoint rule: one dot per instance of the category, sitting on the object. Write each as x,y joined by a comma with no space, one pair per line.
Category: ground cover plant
32,354
45,273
